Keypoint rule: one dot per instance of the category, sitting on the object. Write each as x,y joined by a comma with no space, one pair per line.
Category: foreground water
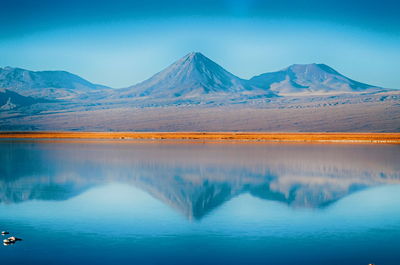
174,203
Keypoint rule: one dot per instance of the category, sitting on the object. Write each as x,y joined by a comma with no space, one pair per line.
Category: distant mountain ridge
45,84
192,76
309,78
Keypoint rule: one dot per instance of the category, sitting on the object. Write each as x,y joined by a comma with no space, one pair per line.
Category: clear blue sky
121,42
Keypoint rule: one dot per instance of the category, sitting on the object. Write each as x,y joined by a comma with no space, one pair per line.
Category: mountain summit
193,75
309,78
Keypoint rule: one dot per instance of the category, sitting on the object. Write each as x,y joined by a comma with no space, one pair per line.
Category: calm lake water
101,202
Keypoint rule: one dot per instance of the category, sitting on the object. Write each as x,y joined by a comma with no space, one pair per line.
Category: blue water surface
125,202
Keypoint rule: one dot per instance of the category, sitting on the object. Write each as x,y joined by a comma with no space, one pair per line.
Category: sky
119,42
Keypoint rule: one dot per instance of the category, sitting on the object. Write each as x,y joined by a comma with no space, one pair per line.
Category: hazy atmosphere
119,43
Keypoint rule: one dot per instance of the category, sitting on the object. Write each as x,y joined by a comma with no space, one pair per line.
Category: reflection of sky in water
166,203
133,212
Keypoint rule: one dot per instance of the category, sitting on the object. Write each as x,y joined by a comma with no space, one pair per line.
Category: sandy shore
392,138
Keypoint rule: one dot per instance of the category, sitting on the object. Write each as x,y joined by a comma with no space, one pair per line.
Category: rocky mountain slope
45,84
310,79
192,76
10,100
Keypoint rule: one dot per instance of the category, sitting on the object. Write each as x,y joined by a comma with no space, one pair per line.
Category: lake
127,202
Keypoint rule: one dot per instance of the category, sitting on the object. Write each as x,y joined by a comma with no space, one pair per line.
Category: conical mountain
309,78
45,84
194,75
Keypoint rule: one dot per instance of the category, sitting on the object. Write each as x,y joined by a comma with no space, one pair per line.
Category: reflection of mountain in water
195,179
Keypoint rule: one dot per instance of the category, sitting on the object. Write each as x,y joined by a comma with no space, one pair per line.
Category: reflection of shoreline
197,179
377,138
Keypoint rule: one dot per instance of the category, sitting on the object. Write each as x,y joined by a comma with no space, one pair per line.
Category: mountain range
194,81
194,75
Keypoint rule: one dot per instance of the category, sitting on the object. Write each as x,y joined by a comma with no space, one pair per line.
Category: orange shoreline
388,138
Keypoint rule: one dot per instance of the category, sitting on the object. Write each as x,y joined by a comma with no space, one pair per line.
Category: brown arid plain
317,137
